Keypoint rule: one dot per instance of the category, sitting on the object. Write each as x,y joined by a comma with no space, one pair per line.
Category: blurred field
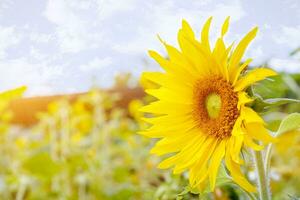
86,146
25,109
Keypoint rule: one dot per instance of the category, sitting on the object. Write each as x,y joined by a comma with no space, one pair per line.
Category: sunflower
201,114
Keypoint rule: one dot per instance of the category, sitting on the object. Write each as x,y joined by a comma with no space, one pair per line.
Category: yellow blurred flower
134,107
289,143
20,142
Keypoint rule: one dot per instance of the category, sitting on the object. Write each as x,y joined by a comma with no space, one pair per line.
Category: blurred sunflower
201,114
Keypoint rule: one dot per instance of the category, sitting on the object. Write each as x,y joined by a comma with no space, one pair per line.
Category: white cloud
4,4
289,36
73,31
108,8
21,71
40,37
286,65
165,19
97,64
40,90
255,52
267,26
8,38
36,54
233,9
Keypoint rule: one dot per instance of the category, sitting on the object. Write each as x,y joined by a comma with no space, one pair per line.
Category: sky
67,46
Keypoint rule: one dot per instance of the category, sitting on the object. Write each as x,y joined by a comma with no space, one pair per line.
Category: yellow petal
259,132
201,186
167,119
205,63
175,55
192,155
219,48
243,99
240,179
197,60
237,127
187,29
156,77
236,148
236,173
238,71
173,144
171,96
239,51
250,143
252,77
224,61
199,171
169,67
205,33
180,65
215,163
179,126
225,26
167,163
218,52
161,130
197,175
250,115
160,107
182,154
159,59
167,81
197,154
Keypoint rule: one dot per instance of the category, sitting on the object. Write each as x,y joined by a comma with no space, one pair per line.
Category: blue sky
65,46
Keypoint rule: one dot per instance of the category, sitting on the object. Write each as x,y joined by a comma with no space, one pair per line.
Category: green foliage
40,164
291,122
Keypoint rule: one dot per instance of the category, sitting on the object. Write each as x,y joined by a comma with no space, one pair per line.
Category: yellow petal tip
162,166
225,26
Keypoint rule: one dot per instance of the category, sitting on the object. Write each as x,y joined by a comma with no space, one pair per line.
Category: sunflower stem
268,159
262,179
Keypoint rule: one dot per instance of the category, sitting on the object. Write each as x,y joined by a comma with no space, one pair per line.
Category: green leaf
294,52
186,190
293,197
41,164
292,84
260,105
270,88
289,123
280,101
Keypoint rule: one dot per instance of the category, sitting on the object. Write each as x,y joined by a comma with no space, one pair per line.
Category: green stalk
268,159
262,178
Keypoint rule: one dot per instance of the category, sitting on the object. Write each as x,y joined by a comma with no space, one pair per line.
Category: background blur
71,133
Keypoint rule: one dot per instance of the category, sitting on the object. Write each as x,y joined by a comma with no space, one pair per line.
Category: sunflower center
215,106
